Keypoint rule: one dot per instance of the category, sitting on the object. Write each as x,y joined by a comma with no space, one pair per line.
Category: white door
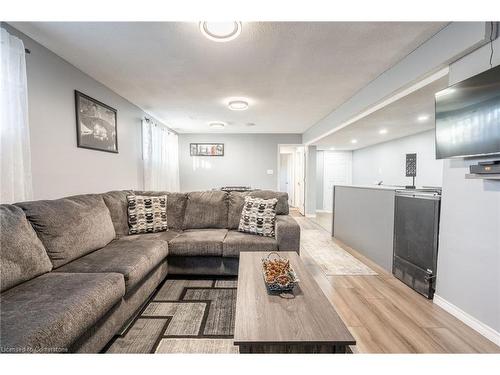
286,175
299,173
337,170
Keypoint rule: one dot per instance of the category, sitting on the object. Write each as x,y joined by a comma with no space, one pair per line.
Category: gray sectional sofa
72,277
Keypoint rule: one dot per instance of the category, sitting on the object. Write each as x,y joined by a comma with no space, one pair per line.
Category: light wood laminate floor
324,219
385,316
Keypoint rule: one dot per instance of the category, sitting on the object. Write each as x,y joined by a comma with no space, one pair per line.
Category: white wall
247,157
59,168
310,181
469,242
337,170
386,161
319,179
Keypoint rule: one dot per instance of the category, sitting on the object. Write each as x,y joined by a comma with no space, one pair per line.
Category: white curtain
15,158
161,157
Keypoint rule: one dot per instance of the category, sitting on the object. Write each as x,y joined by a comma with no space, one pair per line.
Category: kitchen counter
363,218
376,187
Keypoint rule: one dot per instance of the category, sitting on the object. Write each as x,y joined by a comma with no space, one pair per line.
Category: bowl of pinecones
279,276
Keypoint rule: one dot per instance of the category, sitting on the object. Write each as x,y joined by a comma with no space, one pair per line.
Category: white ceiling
399,118
294,73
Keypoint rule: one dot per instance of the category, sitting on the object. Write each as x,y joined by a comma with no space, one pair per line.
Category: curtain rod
149,119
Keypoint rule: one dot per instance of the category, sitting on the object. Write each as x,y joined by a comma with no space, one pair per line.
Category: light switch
270,171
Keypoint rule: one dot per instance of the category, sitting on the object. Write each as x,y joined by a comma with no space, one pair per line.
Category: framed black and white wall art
206,149
96,124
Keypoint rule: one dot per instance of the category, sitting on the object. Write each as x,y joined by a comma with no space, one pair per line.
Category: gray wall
60,168
386,161
246,159
469,242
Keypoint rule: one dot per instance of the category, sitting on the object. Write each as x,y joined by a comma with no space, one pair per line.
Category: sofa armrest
287,233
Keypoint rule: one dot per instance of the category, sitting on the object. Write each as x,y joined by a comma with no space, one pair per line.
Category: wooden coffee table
265,323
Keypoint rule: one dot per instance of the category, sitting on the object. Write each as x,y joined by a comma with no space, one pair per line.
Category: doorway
337,170
291,167
286,175
333,168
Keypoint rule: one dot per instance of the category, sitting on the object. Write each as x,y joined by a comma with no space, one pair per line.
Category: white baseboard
472,322
311,215
324,211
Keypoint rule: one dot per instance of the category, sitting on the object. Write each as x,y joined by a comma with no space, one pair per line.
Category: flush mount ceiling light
220,31
382,131
217,125
237,105
354,141
423,118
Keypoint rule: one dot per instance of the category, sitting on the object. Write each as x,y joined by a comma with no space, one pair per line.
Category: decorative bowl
284,282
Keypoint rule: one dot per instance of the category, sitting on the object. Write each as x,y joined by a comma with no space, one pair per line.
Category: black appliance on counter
416,229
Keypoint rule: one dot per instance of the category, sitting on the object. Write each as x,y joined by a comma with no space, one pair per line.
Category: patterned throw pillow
258,216
147,214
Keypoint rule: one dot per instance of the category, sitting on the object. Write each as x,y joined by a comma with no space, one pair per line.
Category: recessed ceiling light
217,124
332,148
238,105
423,118
354,141
220,31
382,131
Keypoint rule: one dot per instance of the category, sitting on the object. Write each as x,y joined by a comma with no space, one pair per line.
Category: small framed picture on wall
206,149
96,124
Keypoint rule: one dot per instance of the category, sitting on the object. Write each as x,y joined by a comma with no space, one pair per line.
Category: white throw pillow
147,214
258,216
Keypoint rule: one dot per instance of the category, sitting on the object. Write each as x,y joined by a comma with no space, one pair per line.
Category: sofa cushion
133,259
236,242
287,233
193,242
176,207
50,312
258,216
116,201
147,214
166,236
70,227
22,255
237,198
282,205
206,209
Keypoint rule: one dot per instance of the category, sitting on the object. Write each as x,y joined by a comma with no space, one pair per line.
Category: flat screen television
468,117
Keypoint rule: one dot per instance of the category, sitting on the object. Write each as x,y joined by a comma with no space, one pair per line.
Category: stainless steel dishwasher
416,230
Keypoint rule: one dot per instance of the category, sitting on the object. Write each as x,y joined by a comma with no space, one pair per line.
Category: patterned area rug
184,316
332,259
